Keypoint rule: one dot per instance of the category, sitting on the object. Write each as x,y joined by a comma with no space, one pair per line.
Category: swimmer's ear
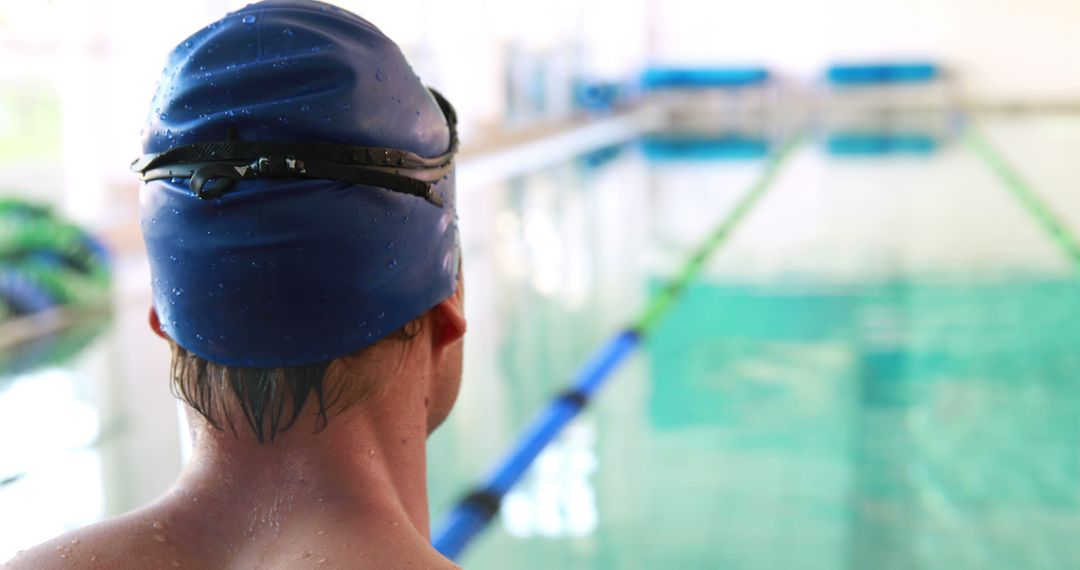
155,324
447,322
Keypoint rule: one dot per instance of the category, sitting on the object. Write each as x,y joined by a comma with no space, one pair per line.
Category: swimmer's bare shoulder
147,539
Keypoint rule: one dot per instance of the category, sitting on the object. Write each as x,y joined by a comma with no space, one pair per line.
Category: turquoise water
902,425
877,371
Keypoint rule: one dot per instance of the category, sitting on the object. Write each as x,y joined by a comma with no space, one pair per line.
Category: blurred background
877,370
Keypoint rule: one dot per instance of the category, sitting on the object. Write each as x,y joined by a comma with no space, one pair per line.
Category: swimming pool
874,372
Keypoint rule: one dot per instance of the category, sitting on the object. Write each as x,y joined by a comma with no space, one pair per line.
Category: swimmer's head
298,207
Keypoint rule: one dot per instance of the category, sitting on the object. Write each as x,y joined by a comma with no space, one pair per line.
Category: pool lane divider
473,513
1027,196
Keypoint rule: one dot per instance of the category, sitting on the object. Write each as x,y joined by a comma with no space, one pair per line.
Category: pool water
877,370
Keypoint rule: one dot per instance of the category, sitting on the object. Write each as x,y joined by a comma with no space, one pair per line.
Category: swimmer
298,213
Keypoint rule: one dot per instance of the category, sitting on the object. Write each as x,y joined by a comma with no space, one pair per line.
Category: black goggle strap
214,168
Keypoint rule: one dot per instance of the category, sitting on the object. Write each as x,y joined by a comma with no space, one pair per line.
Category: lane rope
476,510
1023,191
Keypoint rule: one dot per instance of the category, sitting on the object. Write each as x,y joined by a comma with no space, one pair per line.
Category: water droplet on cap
392,264
249,19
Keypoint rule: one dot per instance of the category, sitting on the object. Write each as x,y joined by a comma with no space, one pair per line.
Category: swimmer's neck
369,463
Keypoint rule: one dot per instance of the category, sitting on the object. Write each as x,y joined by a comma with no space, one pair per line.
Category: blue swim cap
299,194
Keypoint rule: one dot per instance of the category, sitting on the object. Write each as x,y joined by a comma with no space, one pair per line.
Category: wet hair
270,399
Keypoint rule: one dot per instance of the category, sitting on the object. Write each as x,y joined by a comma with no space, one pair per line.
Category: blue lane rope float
479,507
878,144
707,147
656,78
882,73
